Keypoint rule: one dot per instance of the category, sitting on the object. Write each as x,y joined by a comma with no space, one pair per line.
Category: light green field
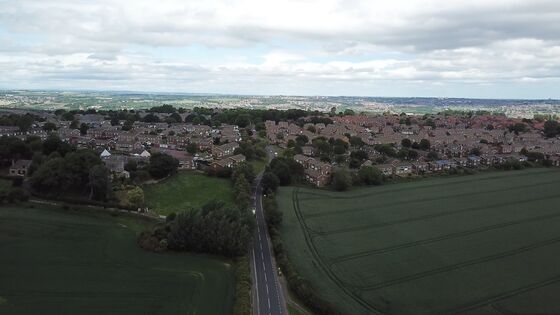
485,244
186,189
57,262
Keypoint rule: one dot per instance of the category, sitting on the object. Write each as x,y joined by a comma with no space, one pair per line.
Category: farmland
486,243
186,189
61,262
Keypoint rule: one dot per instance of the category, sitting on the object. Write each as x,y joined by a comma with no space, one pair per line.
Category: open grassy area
481,244
60,262
186,189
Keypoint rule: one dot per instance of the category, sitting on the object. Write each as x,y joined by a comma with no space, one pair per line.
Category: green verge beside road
186,189
440,245
64,262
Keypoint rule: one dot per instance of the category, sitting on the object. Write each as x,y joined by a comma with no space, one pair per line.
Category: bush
242,304
342,180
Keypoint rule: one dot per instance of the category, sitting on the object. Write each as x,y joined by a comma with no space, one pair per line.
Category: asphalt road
267,297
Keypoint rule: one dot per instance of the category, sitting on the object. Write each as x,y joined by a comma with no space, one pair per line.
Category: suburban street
267,297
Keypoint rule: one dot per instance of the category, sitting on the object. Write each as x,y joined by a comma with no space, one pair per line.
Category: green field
62,262
481,244
186,189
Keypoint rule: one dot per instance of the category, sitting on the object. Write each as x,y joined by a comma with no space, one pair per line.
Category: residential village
212,148
439,142
452,142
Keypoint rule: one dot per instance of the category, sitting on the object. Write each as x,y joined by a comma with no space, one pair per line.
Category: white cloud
342,45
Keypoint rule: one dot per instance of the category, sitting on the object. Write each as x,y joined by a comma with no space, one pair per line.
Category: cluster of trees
213,229
551,128
78,172
252,149
160,165
12,148
343,179
24,122
281,171
518,127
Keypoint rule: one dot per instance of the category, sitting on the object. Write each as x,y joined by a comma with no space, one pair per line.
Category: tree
131,166
282,172
475,151
432,155
49,126
192,148
551,128
406,143
244,169
83,129
115,121
151,118
517,128
342,180
360,155
243,120
269,182
302,140
53,143
356,141
174,118
99,182
136,197
162,165
424,144
370,175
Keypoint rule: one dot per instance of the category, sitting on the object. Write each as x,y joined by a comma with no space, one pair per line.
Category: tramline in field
444,245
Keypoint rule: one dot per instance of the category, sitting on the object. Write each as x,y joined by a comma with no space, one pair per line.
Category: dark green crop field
481,244
56,262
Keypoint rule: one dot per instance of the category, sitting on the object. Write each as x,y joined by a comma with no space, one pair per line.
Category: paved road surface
267,298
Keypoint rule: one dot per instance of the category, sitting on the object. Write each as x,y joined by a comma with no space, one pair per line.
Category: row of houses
400,168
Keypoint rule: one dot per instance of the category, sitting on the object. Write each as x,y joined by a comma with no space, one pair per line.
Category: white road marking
256,281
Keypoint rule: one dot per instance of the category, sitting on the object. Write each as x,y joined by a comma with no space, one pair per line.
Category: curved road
268,298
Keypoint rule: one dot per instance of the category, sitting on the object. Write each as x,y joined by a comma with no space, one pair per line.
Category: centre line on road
256,281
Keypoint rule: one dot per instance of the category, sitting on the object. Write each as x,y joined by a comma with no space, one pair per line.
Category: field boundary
329,213
382,191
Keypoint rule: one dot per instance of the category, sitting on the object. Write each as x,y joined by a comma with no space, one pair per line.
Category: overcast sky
475,48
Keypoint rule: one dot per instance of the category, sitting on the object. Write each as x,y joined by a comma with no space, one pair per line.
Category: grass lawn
63,262
186,189
481,244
